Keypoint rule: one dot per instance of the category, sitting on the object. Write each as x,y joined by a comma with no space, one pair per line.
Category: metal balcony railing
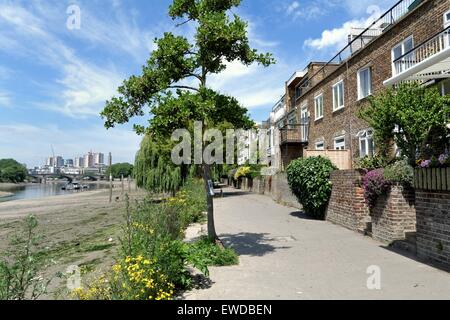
390,17
295,133
423,51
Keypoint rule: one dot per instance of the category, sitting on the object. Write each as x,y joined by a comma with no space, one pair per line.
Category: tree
174,82
412,116
12,171
153,169
119,170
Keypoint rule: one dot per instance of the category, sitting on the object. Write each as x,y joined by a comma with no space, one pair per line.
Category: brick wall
347,206
433,226
422,23
394,215
275,186
289,153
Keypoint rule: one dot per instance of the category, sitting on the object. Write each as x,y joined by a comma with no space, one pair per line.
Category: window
364,83
339,143
292,119
366,144
447,19
400,50
298,92
318,107
338,96
304,121
270,135
320,145
447,25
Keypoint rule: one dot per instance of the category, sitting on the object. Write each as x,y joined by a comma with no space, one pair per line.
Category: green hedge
309,180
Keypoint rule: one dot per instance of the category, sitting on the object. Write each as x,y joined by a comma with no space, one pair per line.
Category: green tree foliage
309,180
119,170
174,82
412,116
12,171
153,169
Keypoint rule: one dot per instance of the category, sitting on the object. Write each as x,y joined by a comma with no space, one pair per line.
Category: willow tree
174,83
154,171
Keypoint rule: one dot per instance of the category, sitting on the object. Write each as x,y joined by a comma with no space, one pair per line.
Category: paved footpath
285,255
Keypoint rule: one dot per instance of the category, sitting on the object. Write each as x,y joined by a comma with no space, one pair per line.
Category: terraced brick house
411,41
273,125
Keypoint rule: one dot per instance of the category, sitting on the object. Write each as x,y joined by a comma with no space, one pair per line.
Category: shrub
374,184
309,180
370,163
400,172
153,257
242,172
194,208
131,279
22,265
155,231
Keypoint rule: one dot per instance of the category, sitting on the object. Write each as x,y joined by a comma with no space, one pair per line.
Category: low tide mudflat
80,229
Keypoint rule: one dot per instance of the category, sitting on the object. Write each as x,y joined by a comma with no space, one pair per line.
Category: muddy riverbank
80,229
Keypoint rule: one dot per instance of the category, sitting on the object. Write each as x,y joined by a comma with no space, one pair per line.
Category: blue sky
54,81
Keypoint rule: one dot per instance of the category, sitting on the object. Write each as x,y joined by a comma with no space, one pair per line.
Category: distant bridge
42,178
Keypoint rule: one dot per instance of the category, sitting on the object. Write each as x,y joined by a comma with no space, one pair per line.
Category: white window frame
360,96
339,146
364,137
304,119
446,20
292,119
402,45
316,113
336,92
320,148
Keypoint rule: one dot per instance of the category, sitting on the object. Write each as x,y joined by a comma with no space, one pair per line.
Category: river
36,191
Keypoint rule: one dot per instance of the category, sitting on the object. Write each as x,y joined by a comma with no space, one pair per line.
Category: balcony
429,60
294,134
368,35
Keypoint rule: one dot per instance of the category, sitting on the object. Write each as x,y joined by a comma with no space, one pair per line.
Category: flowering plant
374,184
441,162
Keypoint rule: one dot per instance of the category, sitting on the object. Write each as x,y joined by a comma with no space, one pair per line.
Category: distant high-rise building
50,162
79,162
99,159
69,163
59,162
89,160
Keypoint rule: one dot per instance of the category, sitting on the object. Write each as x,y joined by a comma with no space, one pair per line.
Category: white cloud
35,141
308,10
5,99
338,37
292,7
86,88
82,88
360,7
253,86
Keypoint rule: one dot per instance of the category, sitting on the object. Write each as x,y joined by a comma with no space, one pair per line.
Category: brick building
410,41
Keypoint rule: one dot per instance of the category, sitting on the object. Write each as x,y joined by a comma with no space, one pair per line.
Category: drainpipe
350,112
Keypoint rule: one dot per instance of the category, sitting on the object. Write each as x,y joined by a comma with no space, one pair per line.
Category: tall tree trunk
210,202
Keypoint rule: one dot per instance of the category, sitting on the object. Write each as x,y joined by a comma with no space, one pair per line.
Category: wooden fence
435,179
340,158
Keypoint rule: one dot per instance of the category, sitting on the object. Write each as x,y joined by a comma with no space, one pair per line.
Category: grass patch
90,266
204,253
97,247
